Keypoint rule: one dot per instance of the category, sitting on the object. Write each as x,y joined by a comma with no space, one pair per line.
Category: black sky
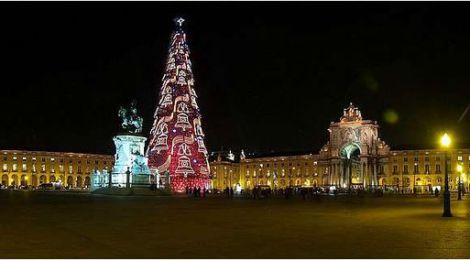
270,76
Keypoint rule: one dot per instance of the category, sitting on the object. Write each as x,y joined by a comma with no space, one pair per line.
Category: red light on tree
176,143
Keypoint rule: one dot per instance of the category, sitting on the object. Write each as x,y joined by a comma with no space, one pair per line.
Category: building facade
36,167
353,157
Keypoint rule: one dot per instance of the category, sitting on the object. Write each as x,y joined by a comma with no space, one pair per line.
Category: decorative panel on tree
176,142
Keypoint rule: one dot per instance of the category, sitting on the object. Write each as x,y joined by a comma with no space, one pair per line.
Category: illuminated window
24,158
70,169
61,168
52,159
15,167
5,167
14,158
52,169
426,168
33,169
459,158
23,167
43,168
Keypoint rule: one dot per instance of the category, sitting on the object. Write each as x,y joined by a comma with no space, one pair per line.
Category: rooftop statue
130,121
351,114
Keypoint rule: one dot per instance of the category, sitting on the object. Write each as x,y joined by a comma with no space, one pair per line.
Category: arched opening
5,179
406,184
52,178
351,175
34,180
297,182
70,181
87,181
79,181
24,180
315,183
14,180
42,179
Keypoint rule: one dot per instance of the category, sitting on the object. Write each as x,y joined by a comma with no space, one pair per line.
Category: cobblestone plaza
80,225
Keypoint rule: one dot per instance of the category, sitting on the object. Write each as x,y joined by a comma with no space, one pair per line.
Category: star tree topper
179,21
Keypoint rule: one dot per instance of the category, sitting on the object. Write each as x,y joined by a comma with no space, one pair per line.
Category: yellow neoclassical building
37,167
353,157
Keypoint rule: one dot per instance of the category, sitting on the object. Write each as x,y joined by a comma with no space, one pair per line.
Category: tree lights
176,140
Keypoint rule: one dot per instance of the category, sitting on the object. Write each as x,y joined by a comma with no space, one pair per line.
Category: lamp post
414,178
402,183
459,171
445,143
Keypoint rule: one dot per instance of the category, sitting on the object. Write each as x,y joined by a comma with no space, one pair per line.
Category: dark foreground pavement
64,225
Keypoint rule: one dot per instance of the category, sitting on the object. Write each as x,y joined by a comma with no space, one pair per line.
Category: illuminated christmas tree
176,145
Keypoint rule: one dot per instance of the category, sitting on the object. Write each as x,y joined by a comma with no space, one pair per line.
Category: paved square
64,225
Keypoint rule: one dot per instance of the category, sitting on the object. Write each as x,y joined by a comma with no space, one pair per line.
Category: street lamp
459,171
414,178
445,143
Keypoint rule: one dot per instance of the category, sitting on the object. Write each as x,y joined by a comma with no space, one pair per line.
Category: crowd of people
264,192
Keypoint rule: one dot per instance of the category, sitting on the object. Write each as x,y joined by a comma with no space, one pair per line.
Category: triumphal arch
354,157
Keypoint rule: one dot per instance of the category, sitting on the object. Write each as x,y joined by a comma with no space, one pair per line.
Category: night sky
270,76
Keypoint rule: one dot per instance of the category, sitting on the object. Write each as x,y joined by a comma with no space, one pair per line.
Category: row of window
275,165
426,159
52,169
416,168
33,159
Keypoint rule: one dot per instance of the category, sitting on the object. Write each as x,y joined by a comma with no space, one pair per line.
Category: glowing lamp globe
445,140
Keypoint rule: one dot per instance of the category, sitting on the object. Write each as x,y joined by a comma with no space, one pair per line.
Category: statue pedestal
130,167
